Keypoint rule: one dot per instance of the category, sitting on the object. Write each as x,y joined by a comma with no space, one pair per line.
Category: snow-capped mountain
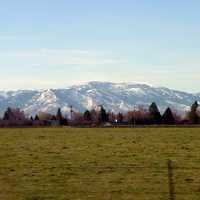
113,96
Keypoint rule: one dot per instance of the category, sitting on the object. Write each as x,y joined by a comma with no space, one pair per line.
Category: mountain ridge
116,97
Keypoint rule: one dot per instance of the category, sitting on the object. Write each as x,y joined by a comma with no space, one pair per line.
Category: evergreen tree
6,115
87,115
59,115
168,117
120,117
154,114
36,118
103,116
193,116
62,121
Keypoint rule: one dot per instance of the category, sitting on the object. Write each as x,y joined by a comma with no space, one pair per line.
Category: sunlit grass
100,164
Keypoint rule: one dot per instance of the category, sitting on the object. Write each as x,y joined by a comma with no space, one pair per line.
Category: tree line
98,117
140,116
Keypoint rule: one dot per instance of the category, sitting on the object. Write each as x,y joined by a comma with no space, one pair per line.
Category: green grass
99,164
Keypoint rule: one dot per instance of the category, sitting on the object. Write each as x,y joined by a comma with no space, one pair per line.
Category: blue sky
51,44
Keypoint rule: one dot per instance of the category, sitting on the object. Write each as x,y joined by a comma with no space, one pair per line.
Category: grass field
99,164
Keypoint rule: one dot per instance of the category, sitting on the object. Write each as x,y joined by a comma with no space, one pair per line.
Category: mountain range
115,97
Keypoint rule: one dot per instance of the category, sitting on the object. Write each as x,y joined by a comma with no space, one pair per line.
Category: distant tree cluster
15,117
140,116
193,115
99,117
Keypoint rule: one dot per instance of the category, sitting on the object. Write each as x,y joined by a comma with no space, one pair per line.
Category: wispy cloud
63,57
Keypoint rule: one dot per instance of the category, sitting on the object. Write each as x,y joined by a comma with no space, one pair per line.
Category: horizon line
95,81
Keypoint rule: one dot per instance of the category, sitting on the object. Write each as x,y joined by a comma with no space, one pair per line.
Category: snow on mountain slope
113,96
45,101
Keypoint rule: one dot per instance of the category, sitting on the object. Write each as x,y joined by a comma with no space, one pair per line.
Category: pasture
98,164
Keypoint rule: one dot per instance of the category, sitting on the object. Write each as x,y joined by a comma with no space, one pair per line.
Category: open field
99,164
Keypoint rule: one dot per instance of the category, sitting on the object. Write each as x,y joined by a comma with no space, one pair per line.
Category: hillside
113,96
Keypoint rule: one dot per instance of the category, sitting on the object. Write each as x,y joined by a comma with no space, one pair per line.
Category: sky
53,44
